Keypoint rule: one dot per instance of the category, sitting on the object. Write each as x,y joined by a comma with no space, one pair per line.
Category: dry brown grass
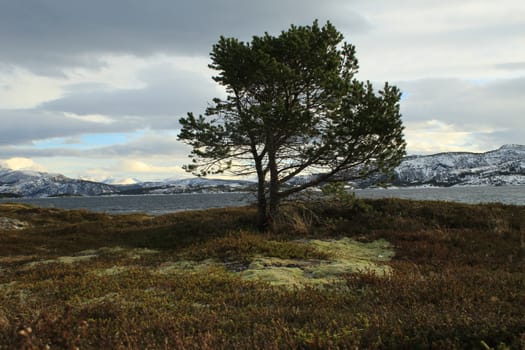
457,280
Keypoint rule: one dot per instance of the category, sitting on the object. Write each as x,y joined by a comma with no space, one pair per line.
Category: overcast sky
94,89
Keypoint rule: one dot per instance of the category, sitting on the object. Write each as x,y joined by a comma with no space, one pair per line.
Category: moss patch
340,257
187,266
274,272
89,254
345,256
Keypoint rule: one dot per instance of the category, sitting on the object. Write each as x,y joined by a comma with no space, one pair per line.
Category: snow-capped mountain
16,183
25,183
504,166
170,186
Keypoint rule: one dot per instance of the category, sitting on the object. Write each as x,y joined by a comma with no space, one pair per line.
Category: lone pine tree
294,107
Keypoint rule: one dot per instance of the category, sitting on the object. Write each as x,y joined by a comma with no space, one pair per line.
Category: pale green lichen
111,271
89,254
187,266
60,260
275,275
345,256
348,249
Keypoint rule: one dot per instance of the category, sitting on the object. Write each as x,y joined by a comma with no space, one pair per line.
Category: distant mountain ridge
23,183
504,166
26,183
193,185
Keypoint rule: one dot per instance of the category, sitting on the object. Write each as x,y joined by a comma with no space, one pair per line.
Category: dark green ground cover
95,281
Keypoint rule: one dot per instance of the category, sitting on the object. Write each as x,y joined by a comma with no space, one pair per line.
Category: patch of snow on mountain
124,181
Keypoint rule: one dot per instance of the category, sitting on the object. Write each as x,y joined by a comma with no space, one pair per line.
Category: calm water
498,194
161,204
152,204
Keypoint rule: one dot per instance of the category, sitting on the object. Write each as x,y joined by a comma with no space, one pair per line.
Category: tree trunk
522,231
273,210
262,215
262,208
275,198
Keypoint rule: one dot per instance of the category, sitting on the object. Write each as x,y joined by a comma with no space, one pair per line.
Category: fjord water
161,204
472,194
150,204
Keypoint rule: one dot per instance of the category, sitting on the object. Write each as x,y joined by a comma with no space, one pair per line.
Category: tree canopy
294,109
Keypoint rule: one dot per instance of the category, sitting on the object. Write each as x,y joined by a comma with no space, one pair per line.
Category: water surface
161,204
478,194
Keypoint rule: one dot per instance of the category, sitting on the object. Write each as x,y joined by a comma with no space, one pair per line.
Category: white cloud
21,89
138,166
434,136
144,170
91,118
19,163
116,72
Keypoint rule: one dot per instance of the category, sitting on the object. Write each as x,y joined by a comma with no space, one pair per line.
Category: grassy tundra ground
390,274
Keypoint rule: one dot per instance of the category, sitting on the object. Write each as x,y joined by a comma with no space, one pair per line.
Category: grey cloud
159,105
498,34
151,145
24,126
148,146
47,36
167,96
511,66
497,104
29,152
496,139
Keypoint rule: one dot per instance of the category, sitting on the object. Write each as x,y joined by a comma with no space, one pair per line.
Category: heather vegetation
341,274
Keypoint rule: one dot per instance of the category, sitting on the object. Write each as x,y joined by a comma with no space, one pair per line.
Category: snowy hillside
15,183
170,186
504,166
22,183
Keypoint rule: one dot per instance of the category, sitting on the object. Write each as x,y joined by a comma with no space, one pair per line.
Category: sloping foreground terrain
381,274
